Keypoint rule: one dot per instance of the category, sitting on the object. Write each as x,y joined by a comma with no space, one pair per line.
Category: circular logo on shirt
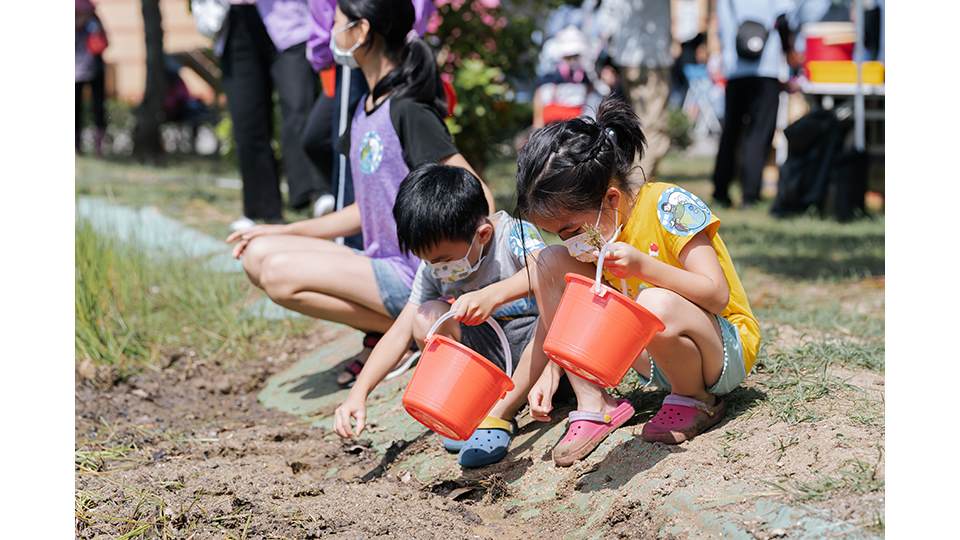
681,212
371,152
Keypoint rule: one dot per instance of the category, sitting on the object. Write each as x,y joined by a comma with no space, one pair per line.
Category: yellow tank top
664,218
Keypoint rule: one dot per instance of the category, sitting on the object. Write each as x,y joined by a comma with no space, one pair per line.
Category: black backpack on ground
820,170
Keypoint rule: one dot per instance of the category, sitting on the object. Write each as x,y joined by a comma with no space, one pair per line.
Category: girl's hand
475,307
540,396
352,408
243,238
624,260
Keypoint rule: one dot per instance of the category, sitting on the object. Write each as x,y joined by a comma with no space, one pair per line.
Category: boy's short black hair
437,203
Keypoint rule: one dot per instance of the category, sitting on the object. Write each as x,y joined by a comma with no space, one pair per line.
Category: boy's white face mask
340,56
460,269
579,246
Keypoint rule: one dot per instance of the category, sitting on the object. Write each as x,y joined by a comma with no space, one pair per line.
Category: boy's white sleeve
525,240
424,288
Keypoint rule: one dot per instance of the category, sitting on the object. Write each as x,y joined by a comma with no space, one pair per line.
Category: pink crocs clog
682,418
586,430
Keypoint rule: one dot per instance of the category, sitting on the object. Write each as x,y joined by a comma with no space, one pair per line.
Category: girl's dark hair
416,75
568,166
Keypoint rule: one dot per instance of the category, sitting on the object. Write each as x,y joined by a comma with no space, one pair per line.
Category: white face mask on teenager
344,57
458,270
579,246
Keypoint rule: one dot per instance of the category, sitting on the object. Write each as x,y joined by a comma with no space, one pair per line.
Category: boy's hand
243,238
353,408
475,307
624,260
540,396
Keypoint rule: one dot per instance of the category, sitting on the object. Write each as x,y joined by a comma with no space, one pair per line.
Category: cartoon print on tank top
371,152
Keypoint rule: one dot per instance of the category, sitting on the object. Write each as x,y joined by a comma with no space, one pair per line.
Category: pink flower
490,4
434,23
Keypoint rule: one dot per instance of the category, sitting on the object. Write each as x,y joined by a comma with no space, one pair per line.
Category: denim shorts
733,372
394,291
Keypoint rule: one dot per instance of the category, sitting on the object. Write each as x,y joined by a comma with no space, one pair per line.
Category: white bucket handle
496,328
598,287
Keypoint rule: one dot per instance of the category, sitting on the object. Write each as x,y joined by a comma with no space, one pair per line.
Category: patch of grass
728,452
853,477
821,316
95,460
133,308
866,414
843,353
794,383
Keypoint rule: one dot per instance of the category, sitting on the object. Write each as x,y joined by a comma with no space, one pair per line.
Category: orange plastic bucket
453,387
597,332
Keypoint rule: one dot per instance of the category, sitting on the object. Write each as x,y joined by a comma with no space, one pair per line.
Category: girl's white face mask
340,56
579,246
460,269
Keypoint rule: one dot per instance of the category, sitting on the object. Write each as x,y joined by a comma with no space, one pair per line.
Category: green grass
133,308
854,477
822,316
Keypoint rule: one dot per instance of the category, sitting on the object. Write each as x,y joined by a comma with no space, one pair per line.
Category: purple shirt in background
287,21
321,21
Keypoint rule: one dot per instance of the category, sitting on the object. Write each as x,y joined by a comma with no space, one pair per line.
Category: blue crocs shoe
488,444
452,445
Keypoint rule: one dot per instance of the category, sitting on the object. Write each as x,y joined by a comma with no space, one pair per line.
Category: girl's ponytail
616,119
568,166
416,75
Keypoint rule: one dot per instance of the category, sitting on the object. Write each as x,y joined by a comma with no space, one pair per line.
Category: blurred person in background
755,70
263,46
689,29
90,40
562,94
638,39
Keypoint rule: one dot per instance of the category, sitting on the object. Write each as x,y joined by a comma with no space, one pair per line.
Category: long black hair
568,166
416,75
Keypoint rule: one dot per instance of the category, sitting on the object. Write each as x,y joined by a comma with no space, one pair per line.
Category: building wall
126,55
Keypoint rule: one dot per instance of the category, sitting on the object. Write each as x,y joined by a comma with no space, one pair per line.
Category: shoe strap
684,401
371,339
575,416
492,422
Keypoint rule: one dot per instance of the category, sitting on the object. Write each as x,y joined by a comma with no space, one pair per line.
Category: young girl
397,127
665,250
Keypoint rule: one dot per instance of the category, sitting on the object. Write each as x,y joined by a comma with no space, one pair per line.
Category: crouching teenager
474,264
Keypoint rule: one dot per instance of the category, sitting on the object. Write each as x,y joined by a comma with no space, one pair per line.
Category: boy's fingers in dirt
361,421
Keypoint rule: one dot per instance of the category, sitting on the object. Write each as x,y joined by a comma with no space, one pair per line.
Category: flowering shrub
484,48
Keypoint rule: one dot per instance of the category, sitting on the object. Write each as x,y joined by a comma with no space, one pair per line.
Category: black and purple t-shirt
383,145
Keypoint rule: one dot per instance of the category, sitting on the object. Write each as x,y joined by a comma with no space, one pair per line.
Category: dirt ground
195,449
188,451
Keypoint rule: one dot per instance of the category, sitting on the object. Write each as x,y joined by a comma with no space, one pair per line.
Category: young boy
443,217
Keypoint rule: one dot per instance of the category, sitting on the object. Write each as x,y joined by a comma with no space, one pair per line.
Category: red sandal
682,418
348,376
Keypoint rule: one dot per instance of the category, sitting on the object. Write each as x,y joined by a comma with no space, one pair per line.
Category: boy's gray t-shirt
504,258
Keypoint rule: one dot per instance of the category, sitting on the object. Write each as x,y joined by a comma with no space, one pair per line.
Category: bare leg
335,286
263,246
548,284
525,373
689,351
427,314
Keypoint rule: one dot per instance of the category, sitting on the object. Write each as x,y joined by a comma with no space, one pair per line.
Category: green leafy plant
481,51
